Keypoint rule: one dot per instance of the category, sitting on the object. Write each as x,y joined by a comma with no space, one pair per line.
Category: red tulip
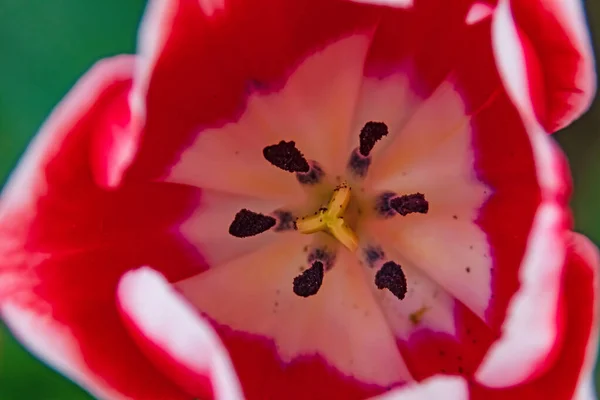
312,199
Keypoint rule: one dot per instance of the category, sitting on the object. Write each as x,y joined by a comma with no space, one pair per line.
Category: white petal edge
478,12
573,10
165,318
529,331
436,387
46,339
509,55
152,36
154,31
586,390
510,58
585,387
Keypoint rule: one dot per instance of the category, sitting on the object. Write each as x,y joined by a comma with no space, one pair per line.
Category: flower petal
496,178
300,111
540,271
544,51
585,258
571,369
436,387
535,305
478,12
108,84
65,240
530,330
174,336
433,154
188,74
336,342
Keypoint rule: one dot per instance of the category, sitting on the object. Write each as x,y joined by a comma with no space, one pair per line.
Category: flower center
333,218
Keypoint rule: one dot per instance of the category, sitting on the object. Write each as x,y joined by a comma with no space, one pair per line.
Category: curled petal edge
545,58
583,247
543,264
435,387
175,337
64,117
52,344
154,31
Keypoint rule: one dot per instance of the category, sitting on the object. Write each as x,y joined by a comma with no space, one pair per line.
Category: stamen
248,223
373,254
309,282
370,134
313,176
359,164
286,156
382,206
285,221
360,159
391,277
323,255
388,204
411,203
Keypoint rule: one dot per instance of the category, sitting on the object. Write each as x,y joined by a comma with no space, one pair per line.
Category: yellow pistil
331,219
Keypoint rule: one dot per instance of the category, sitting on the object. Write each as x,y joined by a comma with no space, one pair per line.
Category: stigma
331,219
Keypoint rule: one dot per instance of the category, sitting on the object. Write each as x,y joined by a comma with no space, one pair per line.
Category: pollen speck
417,316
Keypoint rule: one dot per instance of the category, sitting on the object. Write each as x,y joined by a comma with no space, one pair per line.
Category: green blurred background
46,45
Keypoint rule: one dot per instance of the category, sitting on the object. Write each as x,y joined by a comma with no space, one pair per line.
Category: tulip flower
313,199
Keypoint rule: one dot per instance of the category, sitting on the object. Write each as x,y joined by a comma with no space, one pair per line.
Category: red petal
555,57
571,370
65,241
174,336
206,60
524,215
526,177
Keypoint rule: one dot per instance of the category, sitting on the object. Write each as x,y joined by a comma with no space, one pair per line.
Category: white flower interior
350,323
